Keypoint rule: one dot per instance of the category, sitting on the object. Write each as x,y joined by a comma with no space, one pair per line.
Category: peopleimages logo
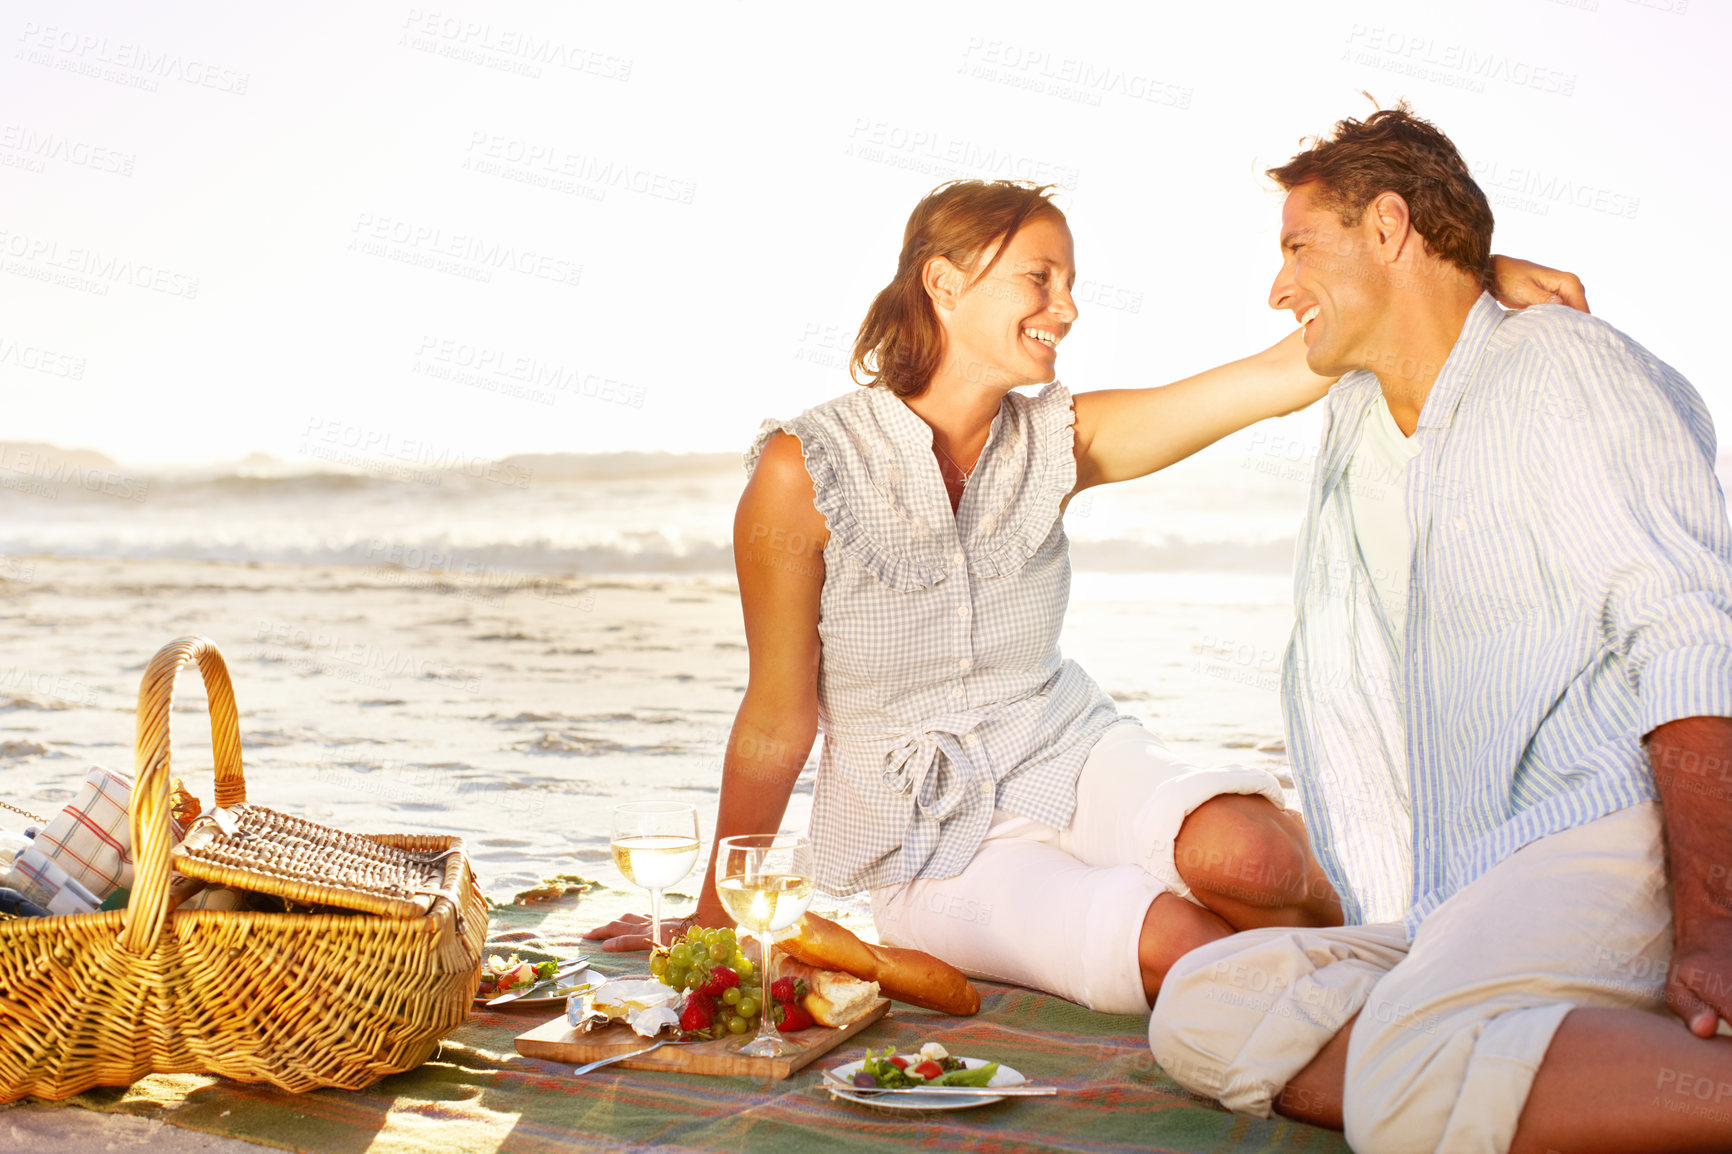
1453,65
1072,78
36,359
519,374
90,269
464,254
934,153
36,150
505,49
407,458
135,65
547,165
28,471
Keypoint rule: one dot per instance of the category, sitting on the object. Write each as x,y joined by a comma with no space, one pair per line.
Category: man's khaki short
1451,1028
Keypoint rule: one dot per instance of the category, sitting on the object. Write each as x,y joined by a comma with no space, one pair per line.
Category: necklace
963,473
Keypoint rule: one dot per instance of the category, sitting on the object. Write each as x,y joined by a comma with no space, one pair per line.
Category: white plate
1006,1076
541,1002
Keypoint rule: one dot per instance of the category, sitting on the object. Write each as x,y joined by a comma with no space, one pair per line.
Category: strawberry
793,1017
721,978
699,1013
782,989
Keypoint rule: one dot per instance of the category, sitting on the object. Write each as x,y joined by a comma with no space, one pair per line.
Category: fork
600,1062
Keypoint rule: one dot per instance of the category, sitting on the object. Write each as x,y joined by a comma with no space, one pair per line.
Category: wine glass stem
655,919
767,1031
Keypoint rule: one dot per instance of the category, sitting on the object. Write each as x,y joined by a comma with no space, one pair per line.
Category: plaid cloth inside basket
43,882
90,838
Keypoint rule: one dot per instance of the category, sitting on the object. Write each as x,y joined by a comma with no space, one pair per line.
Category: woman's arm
1519,283
1127,433
779,539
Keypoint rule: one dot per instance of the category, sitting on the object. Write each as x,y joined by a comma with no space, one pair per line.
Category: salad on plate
933,1065
501,975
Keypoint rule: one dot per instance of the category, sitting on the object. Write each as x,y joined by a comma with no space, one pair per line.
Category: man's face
1331,281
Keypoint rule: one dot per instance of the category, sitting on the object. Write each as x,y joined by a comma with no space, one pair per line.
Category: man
1507,698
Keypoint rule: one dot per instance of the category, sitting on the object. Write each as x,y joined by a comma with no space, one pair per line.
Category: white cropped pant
1062,910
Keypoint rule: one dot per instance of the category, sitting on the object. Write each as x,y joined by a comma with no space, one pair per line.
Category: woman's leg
1218,836
1025,912
1172,928
1250,862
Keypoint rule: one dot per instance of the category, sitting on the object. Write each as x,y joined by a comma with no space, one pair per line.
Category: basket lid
255,848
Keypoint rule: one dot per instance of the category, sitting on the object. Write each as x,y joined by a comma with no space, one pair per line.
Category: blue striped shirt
1571,589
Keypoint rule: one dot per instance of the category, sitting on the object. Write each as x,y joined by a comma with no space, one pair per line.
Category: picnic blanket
477,1095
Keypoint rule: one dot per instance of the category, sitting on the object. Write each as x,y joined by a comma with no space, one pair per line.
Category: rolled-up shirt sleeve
1641,519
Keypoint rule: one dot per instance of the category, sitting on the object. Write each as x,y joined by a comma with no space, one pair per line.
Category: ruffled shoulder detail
1038,441
854,463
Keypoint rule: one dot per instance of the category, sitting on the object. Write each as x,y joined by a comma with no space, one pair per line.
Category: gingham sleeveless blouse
941,690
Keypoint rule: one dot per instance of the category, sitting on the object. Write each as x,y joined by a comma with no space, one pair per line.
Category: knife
565,971
1020,1090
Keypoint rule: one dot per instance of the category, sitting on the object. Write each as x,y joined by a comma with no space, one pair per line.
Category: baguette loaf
905,975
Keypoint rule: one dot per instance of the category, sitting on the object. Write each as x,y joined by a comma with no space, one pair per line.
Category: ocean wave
276,478
437,558
430,561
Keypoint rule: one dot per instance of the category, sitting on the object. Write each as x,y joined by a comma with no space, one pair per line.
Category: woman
904,572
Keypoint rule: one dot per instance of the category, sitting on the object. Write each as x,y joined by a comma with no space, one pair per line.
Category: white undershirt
1377,503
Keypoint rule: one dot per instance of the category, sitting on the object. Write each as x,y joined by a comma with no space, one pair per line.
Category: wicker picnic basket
299,1000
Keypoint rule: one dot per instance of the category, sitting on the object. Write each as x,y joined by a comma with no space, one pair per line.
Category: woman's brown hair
900,343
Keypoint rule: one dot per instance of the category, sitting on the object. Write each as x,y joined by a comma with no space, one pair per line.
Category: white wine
767,902
655,862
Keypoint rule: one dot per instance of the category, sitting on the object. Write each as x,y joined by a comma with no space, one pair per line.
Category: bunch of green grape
692,964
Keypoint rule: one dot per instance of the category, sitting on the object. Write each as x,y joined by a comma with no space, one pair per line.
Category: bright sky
232,228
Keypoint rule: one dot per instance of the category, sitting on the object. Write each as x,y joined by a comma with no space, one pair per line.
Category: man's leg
1314,1095
1534,996
1243,1018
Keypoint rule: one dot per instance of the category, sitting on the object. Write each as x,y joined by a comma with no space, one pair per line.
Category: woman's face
1004,329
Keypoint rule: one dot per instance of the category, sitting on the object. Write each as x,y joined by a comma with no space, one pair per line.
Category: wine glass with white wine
655,844
765,883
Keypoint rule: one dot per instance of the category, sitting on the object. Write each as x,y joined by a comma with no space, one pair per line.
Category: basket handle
148,906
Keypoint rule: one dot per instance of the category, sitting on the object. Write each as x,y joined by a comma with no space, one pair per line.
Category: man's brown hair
1393,150
900,343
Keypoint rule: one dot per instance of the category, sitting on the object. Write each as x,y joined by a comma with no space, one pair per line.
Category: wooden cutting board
558,1042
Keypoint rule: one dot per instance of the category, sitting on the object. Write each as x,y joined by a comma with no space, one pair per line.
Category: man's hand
1519,283
1699,988
1692,760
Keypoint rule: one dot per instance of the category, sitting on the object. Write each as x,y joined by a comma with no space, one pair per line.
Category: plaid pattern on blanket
478,1096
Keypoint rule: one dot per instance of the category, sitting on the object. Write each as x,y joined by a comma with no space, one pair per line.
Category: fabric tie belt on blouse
912,767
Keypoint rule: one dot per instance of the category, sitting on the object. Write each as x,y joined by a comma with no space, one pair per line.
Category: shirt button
962,610
965,665
957,692
959,559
